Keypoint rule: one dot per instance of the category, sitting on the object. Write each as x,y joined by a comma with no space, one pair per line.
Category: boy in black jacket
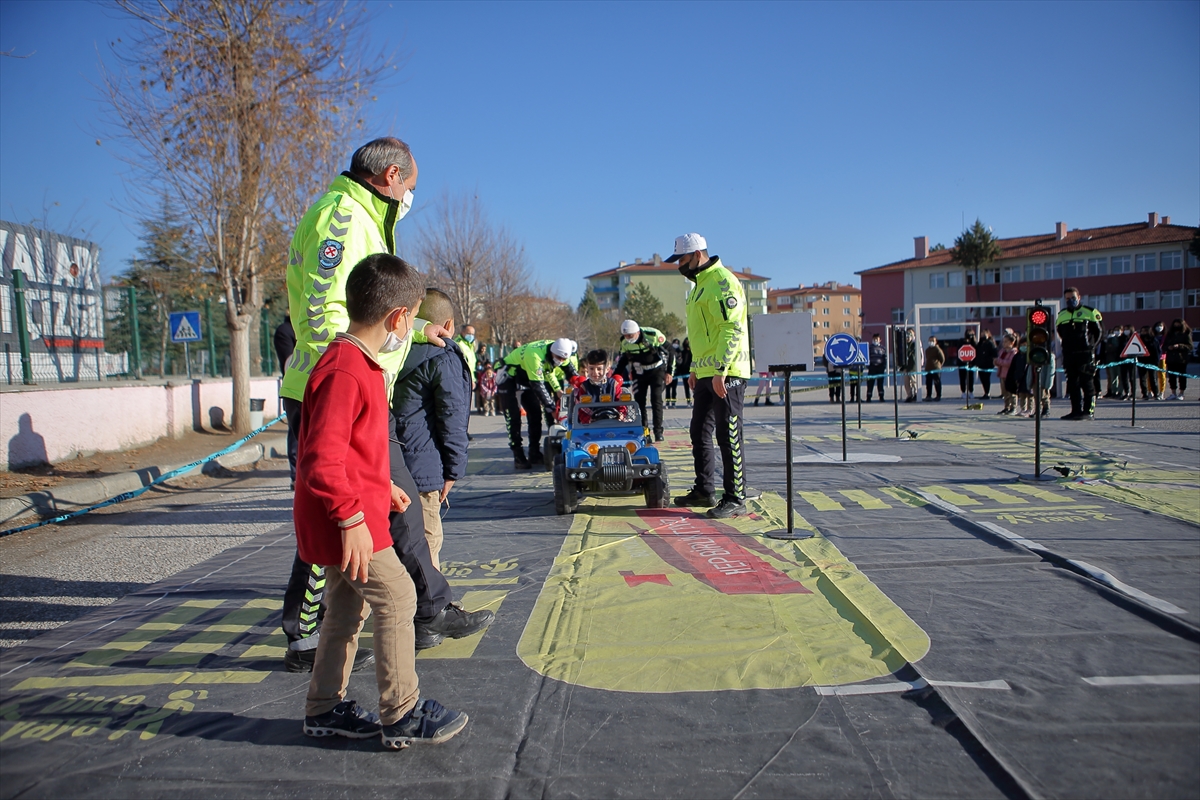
432,405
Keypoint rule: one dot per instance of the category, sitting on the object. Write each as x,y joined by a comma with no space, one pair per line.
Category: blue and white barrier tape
136,492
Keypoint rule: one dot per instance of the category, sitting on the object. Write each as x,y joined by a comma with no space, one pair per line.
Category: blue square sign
184,326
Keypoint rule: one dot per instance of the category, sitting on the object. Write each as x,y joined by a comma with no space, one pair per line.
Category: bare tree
457,245
236,107
506,288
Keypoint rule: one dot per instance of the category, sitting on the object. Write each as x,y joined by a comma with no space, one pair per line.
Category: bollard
257,404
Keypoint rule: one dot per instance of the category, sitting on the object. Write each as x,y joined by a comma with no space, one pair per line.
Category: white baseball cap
688,243
629,326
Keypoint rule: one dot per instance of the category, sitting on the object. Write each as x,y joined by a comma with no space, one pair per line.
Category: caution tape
121,498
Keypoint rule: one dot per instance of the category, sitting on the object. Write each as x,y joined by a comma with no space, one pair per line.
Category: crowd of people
378,404
1088,354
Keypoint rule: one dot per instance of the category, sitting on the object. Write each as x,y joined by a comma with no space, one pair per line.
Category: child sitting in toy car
597,387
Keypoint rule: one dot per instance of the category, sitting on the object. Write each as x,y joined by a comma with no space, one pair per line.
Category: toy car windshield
620,412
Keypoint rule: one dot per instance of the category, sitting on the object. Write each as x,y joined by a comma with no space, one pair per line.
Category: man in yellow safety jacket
356,218
718,330
526,380
646,361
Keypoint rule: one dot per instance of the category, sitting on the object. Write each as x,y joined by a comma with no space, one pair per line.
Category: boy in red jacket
343,495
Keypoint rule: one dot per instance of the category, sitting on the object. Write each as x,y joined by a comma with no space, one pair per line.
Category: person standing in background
1177,347
909,366
934,359
985,360
877,364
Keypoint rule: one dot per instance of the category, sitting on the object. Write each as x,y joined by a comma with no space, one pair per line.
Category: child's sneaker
428,723
346,719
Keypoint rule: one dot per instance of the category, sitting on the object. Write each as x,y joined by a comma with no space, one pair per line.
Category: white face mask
393,342
405,205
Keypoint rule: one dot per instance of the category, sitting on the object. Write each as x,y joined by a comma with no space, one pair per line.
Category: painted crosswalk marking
218,635
951,496
864,499
904,496
821,501
1041,494
108,654
995,494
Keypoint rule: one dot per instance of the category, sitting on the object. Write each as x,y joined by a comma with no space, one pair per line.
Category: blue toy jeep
604,450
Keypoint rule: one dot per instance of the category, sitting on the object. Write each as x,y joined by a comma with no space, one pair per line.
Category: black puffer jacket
432,404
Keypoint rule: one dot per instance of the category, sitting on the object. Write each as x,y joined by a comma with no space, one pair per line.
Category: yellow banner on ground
653,601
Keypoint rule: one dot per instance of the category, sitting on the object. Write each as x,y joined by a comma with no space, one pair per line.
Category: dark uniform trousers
302,602
710,415
1081,381
654,382
512,397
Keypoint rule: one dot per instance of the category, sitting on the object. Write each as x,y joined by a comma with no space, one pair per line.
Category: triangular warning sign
185,330
1134,347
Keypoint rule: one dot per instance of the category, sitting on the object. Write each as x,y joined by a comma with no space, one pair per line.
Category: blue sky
805,140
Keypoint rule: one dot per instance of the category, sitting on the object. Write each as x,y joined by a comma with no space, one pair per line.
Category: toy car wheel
565,495
658,490
550,450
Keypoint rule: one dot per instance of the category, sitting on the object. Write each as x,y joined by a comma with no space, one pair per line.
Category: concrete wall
40,425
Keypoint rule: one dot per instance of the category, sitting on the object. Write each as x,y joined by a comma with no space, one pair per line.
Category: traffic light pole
1039,338
1037,423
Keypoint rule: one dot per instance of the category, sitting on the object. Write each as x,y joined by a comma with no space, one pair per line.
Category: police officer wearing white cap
718,330
646,361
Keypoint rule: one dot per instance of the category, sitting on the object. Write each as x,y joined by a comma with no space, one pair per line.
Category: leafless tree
456,244
238,107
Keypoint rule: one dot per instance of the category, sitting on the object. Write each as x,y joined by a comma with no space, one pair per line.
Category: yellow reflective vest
348,223
716,323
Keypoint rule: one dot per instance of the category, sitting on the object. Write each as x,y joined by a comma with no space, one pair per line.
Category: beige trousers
392,598
431,506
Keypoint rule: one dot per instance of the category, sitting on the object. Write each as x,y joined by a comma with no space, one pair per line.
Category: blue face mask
1072,302
470,337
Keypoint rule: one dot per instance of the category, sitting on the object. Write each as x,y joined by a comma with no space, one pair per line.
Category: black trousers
1081,382
292,409
303,600
652,381
512,397
985,380
933,382
722,417
966,380
875,382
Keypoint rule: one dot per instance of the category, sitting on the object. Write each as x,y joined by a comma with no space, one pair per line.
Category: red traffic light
1039,316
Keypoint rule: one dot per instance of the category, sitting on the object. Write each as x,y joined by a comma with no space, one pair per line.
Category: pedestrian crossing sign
1134,347
185,326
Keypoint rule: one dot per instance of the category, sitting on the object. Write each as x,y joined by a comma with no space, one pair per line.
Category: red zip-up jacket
342,469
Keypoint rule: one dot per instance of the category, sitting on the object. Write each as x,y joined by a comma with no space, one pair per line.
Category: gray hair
377,155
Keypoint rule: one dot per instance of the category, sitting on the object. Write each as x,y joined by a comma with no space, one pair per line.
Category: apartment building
667,284
836,308
1134,274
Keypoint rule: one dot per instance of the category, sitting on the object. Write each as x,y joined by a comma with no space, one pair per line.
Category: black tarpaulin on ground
179,689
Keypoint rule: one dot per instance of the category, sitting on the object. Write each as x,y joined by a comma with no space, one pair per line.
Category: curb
65,499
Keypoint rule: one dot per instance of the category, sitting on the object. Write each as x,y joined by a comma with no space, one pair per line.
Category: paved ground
943,634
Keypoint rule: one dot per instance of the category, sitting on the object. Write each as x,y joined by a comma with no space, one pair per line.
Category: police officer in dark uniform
1079,329
647,361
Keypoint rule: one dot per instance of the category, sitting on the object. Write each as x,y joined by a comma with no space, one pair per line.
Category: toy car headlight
631,447
593,449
